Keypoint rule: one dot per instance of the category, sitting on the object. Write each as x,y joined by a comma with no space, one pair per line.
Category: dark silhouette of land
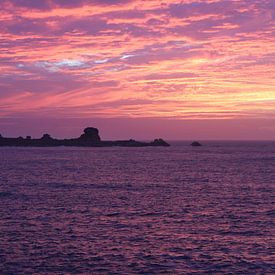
196,144
90,138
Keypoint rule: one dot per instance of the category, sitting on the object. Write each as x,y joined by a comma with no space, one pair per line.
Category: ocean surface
176,210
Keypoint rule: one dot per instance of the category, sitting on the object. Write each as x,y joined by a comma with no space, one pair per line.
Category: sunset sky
176,69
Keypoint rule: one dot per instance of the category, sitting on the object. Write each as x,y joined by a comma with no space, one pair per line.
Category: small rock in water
195,144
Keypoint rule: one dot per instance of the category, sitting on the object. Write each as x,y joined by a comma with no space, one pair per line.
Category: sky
175,69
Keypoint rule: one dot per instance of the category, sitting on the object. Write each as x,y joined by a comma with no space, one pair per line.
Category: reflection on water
138,210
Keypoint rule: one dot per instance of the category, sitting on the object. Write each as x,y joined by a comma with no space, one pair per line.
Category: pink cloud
181,59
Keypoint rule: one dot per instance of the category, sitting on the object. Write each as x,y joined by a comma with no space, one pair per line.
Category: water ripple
169,210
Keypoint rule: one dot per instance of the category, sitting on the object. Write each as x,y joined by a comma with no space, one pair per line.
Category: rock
46,137
159,142
195,144
91,134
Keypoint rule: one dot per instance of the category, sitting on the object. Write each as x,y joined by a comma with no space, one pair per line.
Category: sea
150,210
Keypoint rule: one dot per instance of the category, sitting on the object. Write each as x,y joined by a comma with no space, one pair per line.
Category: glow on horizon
134,59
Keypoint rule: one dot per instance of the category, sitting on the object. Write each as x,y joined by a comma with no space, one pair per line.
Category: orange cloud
180,59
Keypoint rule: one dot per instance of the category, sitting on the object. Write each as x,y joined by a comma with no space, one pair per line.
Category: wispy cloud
184,59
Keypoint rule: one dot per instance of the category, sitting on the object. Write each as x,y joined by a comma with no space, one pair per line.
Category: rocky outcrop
90,138
159,142
196,144
46,137
91,134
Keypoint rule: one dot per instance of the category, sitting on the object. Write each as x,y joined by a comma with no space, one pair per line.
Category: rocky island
196,144
90,138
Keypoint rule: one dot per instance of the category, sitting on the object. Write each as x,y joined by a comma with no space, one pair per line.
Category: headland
89,138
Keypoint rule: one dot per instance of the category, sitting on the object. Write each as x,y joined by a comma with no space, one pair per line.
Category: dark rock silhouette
91,135
46,137
159,142
90,138
196,144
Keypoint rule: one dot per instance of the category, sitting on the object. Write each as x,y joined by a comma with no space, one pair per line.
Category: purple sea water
176,210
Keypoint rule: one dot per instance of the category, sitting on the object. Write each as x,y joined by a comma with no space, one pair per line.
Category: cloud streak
118,58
